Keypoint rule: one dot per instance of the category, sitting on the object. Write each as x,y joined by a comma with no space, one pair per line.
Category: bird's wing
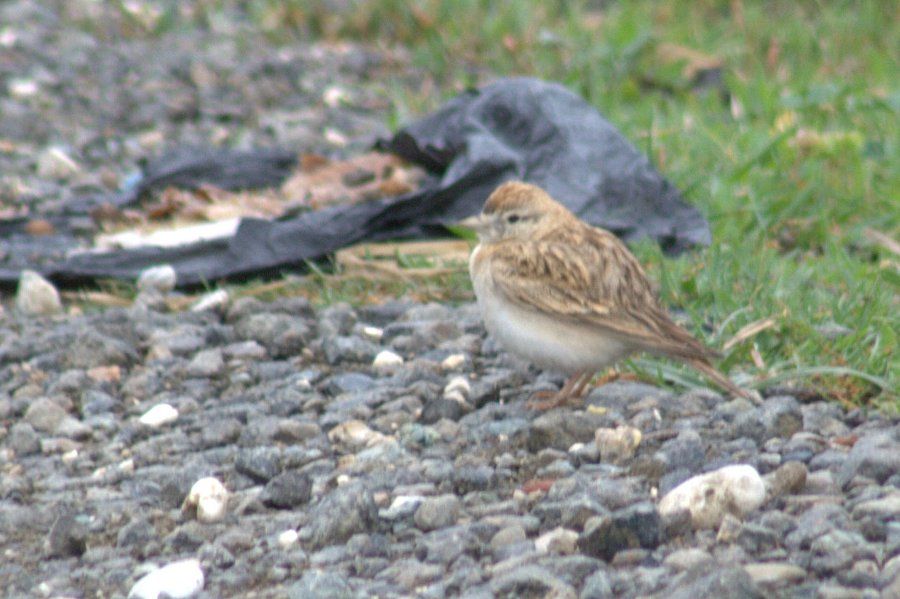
590,279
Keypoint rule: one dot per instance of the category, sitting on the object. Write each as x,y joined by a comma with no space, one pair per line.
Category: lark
567,296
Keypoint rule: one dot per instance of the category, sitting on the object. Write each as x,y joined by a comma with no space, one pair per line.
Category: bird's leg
580,388
577,380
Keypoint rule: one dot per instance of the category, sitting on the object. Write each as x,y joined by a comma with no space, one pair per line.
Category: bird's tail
720,379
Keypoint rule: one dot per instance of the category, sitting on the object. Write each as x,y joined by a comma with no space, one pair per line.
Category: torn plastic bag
518,128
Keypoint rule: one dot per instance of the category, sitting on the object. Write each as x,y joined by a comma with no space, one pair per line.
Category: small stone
560,429
781,417
712,580
207,363
105,374
55,163
531,581
401,507
67,536
342,349
346,510
457,387
617,445
508,536
559,541
335,137
288,490
23,439
708,497
686,559
157,279
876,456
178,580
729,529
22,88
597,586
774,575
348,382
214,300
787,479
288,538
453,361
319,583
45,415
355,434
208,499
36,296
262,464
334,96
387,359
637,526
685,452
437,512
159,415
372,333
439,408
883,508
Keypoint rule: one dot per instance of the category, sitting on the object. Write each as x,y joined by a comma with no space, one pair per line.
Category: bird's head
516,210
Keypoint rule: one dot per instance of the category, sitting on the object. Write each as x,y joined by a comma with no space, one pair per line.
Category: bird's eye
513,218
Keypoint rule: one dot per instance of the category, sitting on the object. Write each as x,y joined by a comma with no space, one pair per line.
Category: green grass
792,169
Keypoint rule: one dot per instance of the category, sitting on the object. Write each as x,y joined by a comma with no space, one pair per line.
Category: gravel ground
427,476
383,451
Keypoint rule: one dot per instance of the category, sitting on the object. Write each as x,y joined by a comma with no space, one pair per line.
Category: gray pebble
259,463
437,512
531,581
23,439
346,510
316,584
287,490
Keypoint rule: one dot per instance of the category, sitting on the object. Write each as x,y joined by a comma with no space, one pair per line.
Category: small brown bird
567,296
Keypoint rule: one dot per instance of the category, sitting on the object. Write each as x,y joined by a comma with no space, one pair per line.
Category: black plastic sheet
516,128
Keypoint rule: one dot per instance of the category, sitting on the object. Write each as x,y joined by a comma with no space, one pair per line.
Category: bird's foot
570,392
550,400
614,375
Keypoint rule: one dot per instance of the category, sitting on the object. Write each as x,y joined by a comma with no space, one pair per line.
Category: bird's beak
477,223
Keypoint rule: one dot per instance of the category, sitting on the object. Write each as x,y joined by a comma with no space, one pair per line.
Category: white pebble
387,359
215,300
453,361
355,434
209,498
560,541
401,506
736,490
55,163
373,333
159,415
8,37
178,580
70,456
617,444
287,538
335,137
455,396
22,88
36,296
126,466
459,385
334,96
159,279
